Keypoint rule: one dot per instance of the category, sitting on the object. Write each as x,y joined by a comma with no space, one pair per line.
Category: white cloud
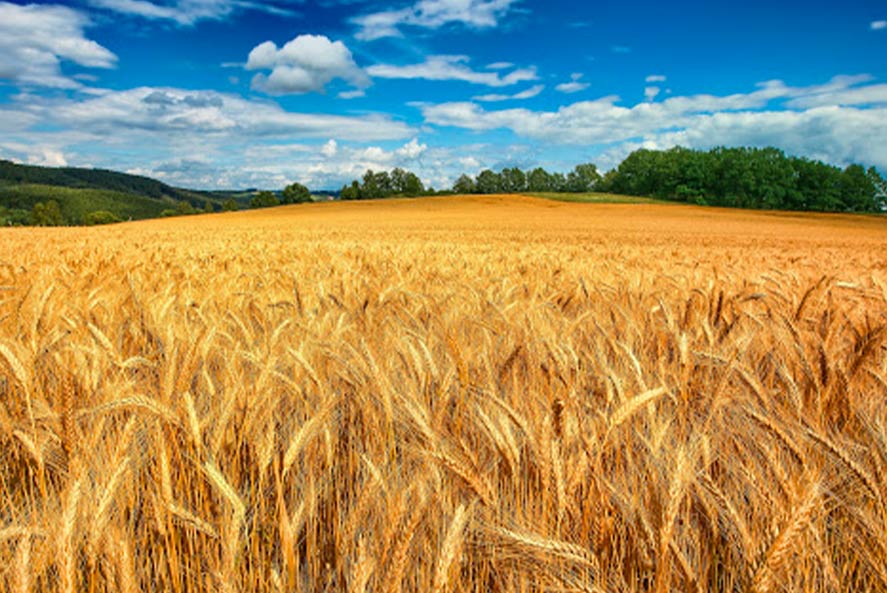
824,128
306,64
574,86
531,92
655,78
500,66
330,149
432,14
411,150
878,25
651,92
188,12
36,39
451,68
115,116
355,94
48,157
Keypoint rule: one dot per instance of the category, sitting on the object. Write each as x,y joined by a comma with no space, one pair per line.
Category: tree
47,214
184,208
539,180
383,182
350,192
412,186
208,207
100,217
464,185
264,199
370,189
488,182
405,183
296,193
584,178
513,180
230,205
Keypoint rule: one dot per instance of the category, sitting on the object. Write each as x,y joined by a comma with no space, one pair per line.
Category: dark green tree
488,182
47,214
230,205
583,178
539,180
264,199
513,180
101,217
350,192
464,185
295,193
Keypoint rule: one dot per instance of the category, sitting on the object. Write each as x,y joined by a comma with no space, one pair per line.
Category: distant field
463,394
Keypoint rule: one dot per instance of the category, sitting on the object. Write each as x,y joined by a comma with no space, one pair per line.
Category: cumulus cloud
330,149
818,121
36,39
306,64
651,92
574,86
432,14
531,92
878,25
451,68
188,12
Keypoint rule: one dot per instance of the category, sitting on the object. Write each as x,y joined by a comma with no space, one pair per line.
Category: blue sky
244,93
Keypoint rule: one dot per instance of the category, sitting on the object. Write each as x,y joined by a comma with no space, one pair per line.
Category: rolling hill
80,192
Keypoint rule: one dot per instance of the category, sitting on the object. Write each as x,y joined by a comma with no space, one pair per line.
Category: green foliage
383,184
77,203
464,185
101,179
350,192
230,205
100,217
406,183
47,214
80,192
539,180
184,209
488,182
295,193
264,199
747,178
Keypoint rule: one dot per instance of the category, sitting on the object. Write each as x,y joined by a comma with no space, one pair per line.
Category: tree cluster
747,178
582,179
384,184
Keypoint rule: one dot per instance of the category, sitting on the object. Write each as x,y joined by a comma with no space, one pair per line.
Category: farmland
462,394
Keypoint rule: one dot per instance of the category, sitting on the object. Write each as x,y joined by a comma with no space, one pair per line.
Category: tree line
734,177
747,178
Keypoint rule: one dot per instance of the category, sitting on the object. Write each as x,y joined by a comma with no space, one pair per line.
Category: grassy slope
75,203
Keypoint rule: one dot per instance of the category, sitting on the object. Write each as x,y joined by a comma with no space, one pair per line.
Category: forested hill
53,196
13,173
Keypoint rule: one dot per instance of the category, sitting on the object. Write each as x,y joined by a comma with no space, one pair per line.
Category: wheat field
448,395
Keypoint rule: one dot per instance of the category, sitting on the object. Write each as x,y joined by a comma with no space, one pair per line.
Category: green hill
80,192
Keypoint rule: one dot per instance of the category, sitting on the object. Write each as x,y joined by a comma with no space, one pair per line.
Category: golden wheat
456,395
